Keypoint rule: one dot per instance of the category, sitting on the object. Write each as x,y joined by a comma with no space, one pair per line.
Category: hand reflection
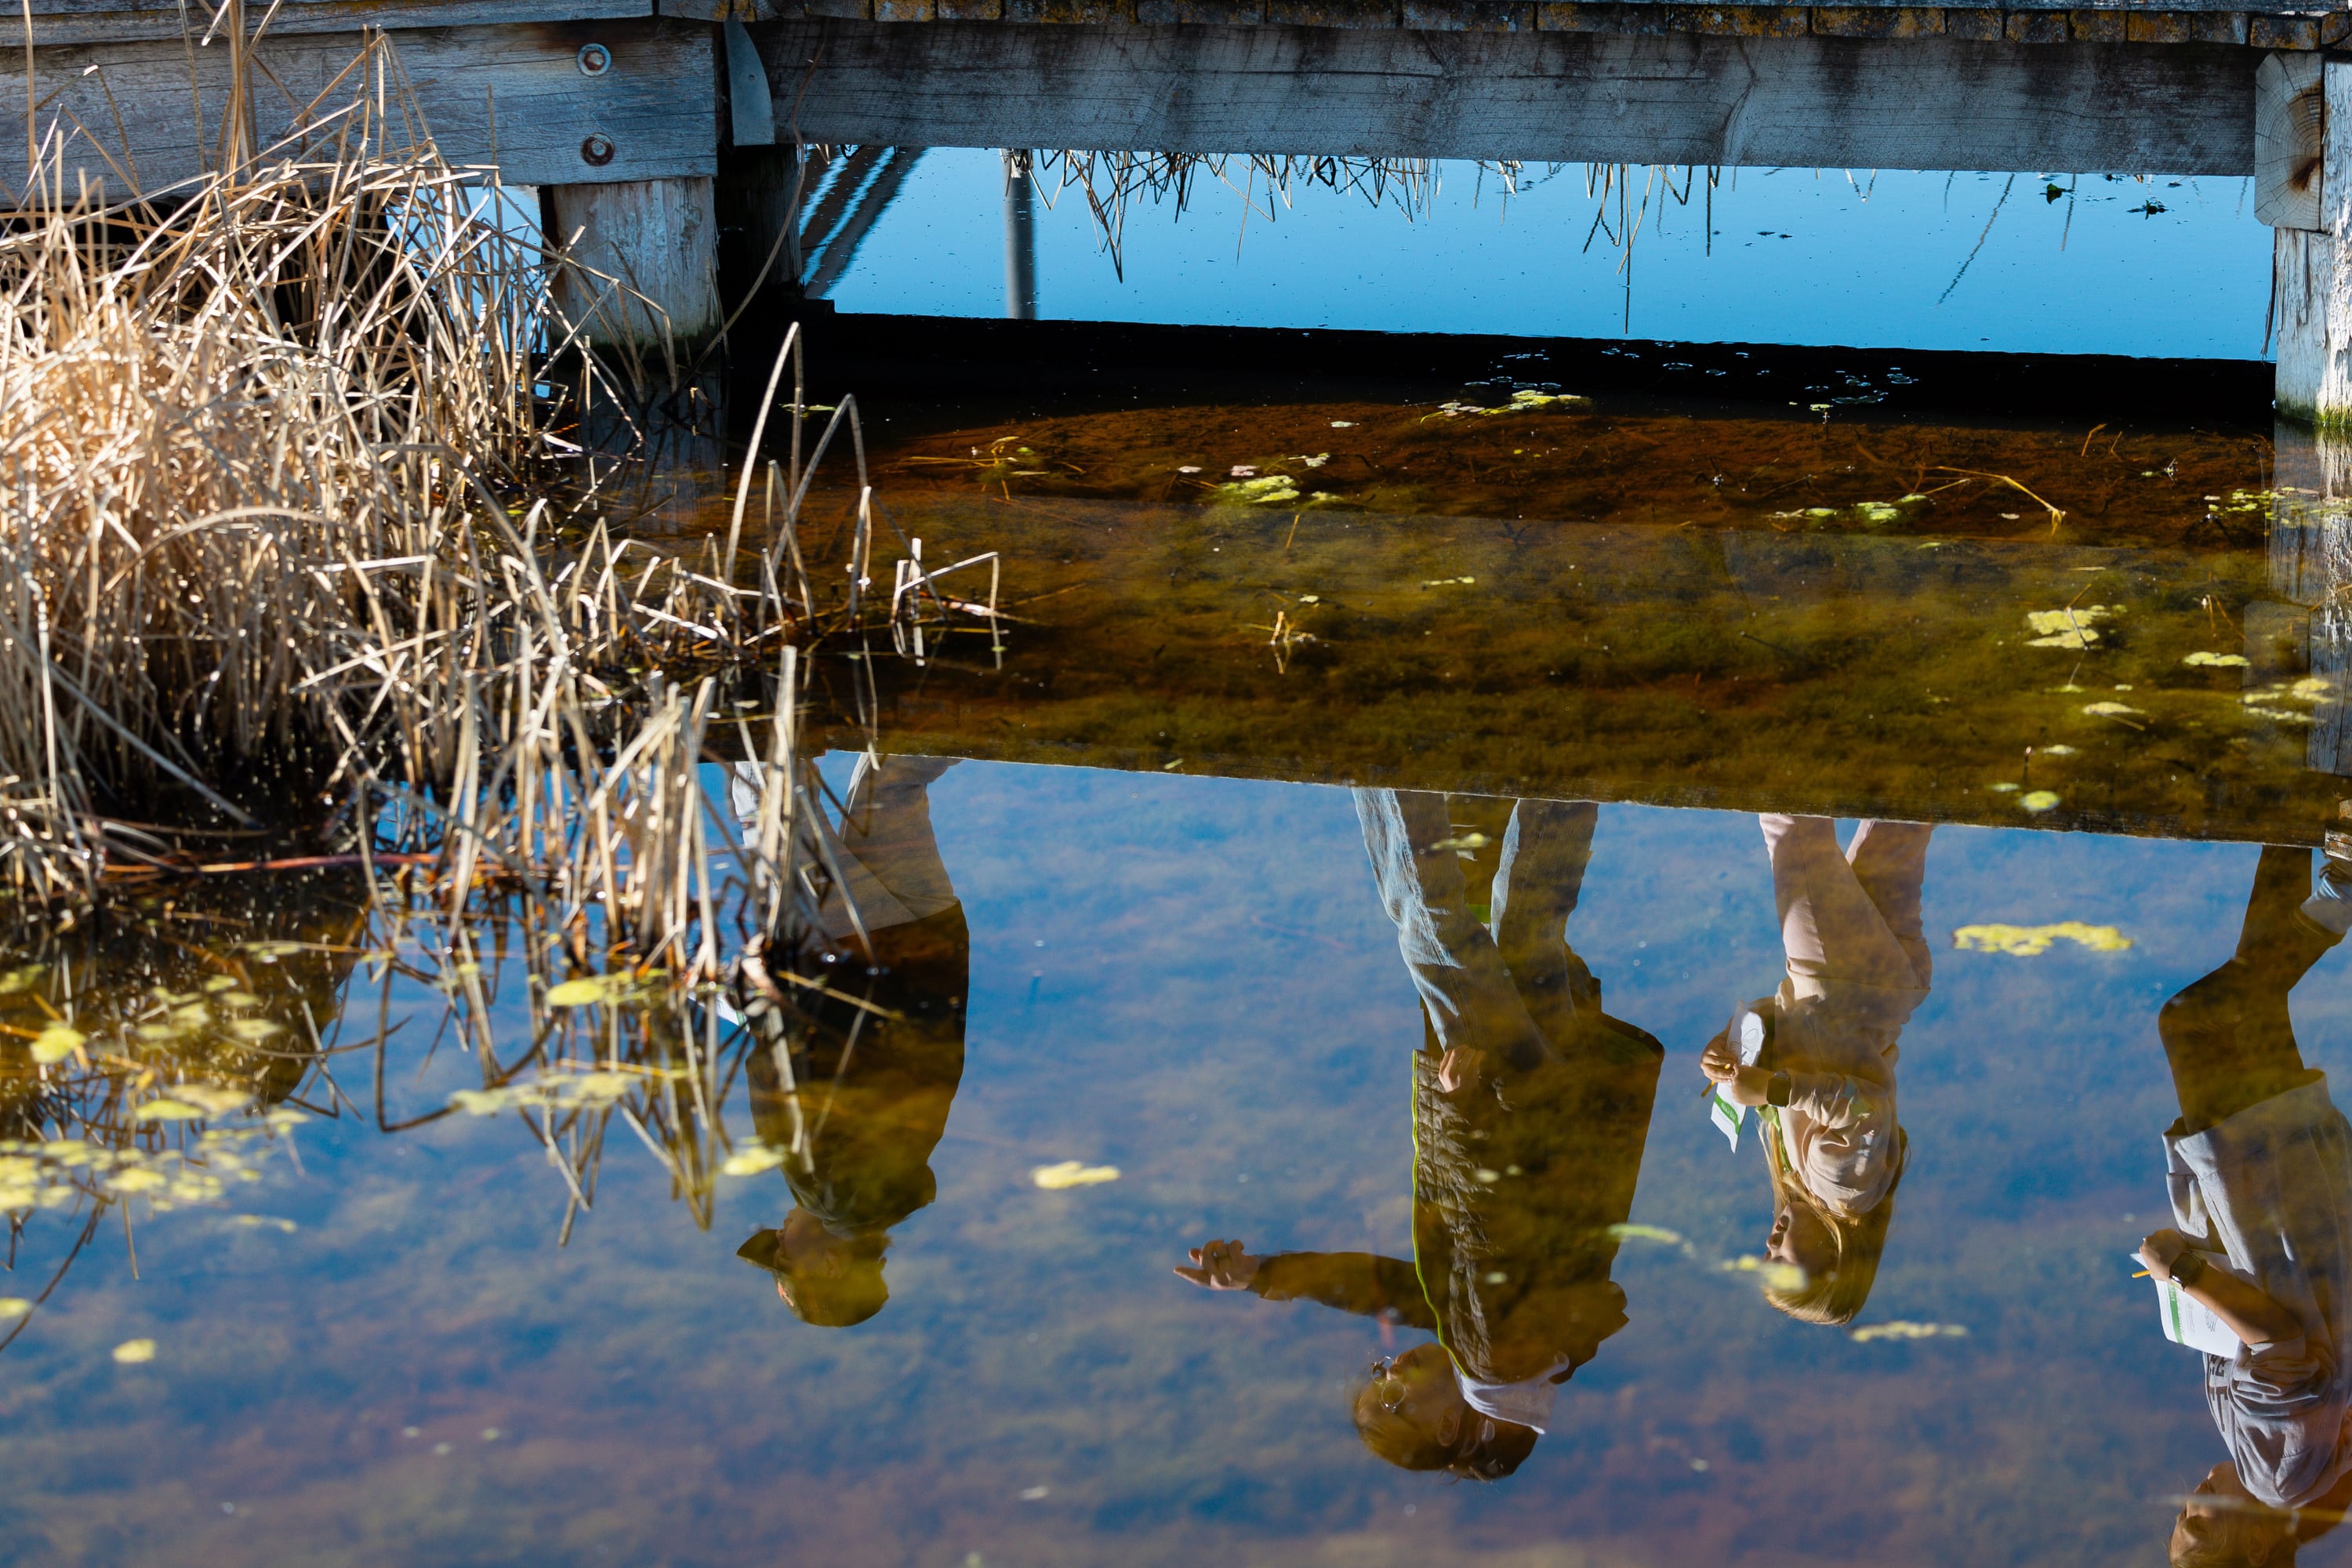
2161,1250
1742,1085
1220,1266
1464,1070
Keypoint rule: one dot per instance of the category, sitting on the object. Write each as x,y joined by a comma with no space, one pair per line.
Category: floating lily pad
1071,1173
56,1043
2028,942
1902,1330
579,992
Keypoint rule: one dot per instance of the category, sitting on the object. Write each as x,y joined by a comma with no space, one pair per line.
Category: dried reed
300,572
288,545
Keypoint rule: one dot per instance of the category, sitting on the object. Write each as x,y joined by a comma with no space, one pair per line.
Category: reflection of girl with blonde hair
1817,1058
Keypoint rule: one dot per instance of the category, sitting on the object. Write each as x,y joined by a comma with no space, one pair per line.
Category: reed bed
307,575
296,562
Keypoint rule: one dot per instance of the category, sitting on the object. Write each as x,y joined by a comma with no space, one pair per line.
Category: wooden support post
2302,187
643,263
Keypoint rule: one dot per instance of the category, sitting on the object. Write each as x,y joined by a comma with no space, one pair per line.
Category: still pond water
1209,1142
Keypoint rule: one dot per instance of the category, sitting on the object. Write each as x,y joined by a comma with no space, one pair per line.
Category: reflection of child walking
1858,967
2259,1168
1530,1110
870,1093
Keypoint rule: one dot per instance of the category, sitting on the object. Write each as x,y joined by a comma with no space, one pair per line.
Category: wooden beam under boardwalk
1934,102
146,114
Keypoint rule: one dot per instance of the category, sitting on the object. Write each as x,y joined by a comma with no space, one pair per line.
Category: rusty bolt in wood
595,59
596,150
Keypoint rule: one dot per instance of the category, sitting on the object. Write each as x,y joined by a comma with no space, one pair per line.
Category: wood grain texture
2310,280
2177,21
514,96
2302,270
659,236
2289,151
110,21
1893,103
2328,257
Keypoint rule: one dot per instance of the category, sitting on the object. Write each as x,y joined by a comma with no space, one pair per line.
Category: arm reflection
2259,1168
1530,1108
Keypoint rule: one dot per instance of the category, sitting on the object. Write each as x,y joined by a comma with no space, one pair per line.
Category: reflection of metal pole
1019,239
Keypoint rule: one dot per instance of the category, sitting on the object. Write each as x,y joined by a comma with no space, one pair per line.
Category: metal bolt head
595,59
597,150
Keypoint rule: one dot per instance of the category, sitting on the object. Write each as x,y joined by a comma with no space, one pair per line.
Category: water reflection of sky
1192,980
1799,257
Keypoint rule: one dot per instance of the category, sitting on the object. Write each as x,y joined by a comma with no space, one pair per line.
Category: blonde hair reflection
1836,1298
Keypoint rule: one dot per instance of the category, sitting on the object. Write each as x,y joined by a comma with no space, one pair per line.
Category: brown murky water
1497,453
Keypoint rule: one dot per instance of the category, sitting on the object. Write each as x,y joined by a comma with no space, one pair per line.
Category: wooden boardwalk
644,122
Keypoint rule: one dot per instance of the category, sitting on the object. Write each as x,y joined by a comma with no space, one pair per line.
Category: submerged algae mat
2021,683
1536,454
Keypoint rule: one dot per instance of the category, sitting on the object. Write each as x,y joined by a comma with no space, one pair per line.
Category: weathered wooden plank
2147,21
1890,103
516,96
114,21
2330,256
2303,271
2311,279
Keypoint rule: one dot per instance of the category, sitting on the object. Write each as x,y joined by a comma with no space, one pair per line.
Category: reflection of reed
160,1054
1115,183
636,1045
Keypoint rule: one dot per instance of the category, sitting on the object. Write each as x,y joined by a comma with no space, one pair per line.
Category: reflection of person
1530,1109
867,1096
1857,969
2260,1166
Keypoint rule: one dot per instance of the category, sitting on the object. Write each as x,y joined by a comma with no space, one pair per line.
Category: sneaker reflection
2260,1169
1817,1057
859,1099
1530,1110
